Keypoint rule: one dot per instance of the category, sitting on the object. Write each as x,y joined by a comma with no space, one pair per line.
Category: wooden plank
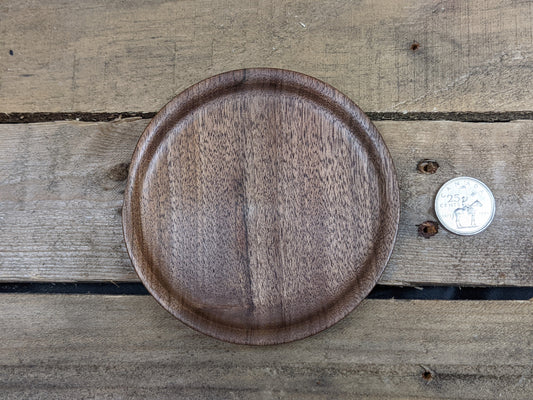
61,192
100,56
62,183
59,346
500,155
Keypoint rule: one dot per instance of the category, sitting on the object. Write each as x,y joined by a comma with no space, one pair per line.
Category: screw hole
427,375
415,46
427,166
428,229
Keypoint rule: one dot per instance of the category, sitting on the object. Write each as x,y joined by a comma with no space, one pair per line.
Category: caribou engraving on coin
465,206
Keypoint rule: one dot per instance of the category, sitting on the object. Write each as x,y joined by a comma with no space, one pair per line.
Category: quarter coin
465,206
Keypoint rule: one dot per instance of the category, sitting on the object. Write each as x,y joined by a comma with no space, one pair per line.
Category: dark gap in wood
108,288
379,292
24,118
466,116
451,293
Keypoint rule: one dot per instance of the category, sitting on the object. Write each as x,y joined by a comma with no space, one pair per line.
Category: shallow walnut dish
261,206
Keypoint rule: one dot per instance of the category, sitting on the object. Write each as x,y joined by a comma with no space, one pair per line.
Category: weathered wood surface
59,346
500,155
61,190
386,55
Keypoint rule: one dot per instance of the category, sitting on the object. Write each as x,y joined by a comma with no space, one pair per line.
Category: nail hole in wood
427,166
415,46
427,375
428,229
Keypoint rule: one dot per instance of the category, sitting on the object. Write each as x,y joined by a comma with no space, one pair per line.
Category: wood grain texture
501,156
385,55
62,188
261,207
60,205
67,346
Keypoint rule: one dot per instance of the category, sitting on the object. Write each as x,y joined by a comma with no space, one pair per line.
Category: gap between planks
26,118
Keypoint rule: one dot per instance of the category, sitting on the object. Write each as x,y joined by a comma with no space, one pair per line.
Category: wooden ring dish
261,207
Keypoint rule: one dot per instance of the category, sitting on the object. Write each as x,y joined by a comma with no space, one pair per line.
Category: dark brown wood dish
261,207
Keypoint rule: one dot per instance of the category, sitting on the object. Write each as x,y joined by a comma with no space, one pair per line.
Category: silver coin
465,206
